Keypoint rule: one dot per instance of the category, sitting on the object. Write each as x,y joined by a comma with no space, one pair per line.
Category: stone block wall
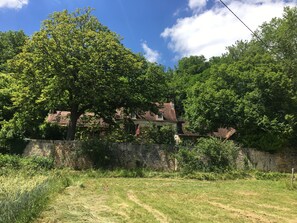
64,153
156,157
126,155
282,161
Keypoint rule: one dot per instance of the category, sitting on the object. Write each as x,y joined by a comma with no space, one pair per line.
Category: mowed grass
172,200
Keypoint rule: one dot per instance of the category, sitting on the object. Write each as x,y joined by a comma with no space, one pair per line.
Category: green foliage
6,111
11,43
251,94
153,134
99,151
52,131
75,63
122,131
279,35
197,175
209,154
119,135
184,76
12,134
29,163
251,88
259,175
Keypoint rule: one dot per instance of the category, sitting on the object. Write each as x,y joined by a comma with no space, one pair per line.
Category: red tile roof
62,117
166,109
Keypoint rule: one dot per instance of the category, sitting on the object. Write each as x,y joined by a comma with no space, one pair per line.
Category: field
24,193
93,199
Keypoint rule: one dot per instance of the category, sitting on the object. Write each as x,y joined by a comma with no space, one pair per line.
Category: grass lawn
91,199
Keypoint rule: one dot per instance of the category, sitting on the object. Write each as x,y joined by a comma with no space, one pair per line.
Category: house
184,134
166,116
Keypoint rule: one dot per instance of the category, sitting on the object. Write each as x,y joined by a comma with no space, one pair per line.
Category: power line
244,24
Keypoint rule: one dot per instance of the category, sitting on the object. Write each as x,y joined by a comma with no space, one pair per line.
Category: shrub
52,131
16,162
119,135
208,154
189,160
260,175
153,134
99,151
11,161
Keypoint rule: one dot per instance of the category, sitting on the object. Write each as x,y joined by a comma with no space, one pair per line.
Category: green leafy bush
16,162
153,134
99,151
208,154
52,131
260,175
119,135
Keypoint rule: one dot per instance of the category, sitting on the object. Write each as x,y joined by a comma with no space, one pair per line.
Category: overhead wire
254,34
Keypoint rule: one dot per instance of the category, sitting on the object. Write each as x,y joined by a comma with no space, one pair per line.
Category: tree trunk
74,115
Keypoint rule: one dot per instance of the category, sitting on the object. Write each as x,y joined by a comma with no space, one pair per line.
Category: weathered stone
126,155
156,157
64,153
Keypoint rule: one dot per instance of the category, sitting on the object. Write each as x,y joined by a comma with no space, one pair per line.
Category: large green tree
280,38
251,88
184,76
75,63
11,44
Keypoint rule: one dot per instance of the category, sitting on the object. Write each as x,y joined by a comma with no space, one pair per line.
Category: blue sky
163,30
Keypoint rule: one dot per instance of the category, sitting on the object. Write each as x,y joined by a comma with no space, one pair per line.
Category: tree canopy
251,88
77,64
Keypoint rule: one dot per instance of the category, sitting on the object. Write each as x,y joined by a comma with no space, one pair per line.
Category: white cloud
150,54
15,4
196,4
209,32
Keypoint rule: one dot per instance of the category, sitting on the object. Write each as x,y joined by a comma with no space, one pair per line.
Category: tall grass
26,185
22,196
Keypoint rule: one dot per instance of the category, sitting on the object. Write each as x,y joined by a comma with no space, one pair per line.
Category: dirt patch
157,214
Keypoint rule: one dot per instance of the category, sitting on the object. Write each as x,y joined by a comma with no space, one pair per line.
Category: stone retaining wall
126,155
157,157
282,161
64,153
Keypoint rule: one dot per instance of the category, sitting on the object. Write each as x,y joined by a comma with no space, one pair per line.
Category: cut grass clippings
93,198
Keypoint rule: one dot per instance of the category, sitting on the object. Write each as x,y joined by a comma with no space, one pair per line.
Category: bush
208,154
99,151
17,162
52,131
153,134
12,146
260,175
119,135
